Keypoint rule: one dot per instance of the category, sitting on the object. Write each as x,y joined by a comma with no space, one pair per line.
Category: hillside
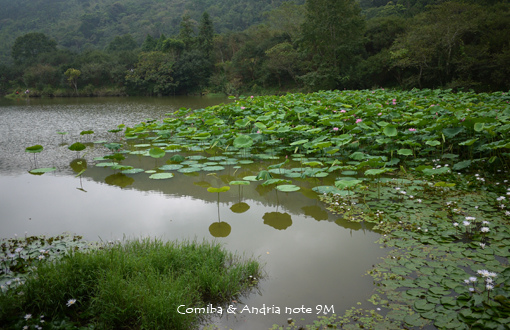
79,24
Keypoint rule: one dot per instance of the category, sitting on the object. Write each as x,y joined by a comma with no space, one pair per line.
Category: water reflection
308,262
119,180
277,220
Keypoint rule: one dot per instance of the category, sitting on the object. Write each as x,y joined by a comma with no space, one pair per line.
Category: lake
312,259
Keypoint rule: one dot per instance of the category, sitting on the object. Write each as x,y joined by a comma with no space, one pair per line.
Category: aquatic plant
77,146
35,149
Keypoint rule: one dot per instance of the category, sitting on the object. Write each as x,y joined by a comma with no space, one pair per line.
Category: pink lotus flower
335,129
258,132
380,113
412,130
251,96
242,108
342,110
359,121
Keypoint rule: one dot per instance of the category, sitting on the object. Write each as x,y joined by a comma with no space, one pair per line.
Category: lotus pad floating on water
288,187
213,168
171,167
327,190
42,170
189,170
108,164
251,178
132,171
160,176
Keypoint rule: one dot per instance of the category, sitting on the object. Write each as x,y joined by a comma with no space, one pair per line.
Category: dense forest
155,47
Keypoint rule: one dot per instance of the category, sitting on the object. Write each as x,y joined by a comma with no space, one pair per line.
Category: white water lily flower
71,302
485,229
483,272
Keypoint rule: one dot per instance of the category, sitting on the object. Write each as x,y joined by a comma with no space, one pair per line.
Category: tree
205,36
149,44
433,47
153,74
72,77
124,43
283,58
28,47
332,35
187,31
287,18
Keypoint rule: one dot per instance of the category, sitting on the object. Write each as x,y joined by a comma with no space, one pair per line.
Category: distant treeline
321,44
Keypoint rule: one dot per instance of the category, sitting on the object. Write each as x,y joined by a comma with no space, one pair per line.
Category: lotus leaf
245,183
42,170
156,152
251,178
77,146
189,170
132,171
107,164
171,167
218,190
288,188
34,149
213,168
243,141
160,176
390,130
177,158
405,152
275,181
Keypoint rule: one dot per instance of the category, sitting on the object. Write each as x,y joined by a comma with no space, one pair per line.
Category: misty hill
81,24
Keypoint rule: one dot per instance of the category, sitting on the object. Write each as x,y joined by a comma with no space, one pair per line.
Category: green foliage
104,286
28,47
332,34
153,73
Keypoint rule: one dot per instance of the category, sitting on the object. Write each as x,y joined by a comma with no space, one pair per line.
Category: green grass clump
135,285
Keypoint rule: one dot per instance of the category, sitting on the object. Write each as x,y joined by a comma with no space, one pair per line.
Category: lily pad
288,188
171,167
42,170
160,176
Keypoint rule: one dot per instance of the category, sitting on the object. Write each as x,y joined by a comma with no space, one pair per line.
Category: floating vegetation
375,162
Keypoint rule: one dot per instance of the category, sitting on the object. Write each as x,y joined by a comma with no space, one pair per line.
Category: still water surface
313,260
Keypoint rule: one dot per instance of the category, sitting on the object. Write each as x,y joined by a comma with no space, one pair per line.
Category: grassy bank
137,284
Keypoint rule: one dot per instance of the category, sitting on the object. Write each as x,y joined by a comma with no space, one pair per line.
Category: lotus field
426,168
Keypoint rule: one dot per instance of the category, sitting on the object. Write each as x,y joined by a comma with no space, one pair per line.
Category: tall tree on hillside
28,47
206,36
187,32
332,34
